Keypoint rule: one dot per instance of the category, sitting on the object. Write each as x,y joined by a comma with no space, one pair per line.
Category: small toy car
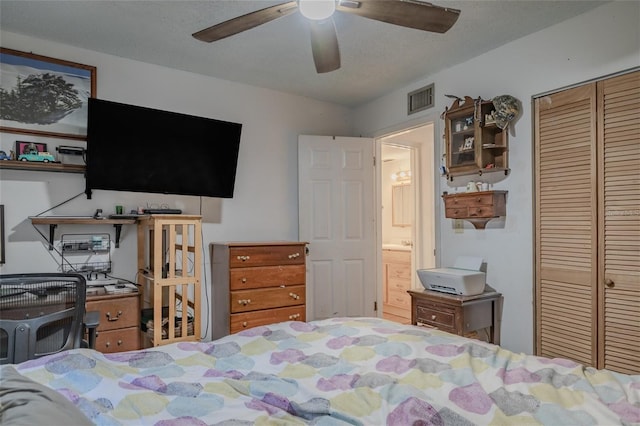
4,156
43,157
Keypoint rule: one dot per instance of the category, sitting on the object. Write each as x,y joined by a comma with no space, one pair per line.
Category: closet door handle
609,283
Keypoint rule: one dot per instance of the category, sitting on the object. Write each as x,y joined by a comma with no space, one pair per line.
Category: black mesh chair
42,314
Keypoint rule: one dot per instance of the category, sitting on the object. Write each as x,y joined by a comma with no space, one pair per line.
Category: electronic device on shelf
162,211
124,216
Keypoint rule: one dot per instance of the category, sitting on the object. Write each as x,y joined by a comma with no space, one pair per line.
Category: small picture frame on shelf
468,144
24,147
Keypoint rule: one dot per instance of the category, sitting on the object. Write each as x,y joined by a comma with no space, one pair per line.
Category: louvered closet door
566,225
619,223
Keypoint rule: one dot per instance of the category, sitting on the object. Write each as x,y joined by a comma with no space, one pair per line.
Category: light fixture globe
317,9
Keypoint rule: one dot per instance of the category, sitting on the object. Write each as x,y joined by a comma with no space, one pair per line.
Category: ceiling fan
324,40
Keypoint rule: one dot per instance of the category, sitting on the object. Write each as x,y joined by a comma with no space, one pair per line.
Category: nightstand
461,315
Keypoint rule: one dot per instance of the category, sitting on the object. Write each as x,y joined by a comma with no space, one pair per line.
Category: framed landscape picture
44,96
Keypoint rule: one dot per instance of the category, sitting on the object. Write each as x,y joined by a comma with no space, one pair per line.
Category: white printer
464,278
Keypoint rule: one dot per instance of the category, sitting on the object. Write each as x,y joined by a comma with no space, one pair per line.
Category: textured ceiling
376,57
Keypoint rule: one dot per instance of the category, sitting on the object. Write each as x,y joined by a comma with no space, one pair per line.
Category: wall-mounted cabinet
476,207
474,143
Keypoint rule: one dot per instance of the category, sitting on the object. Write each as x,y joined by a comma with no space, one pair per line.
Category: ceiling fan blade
245,22
324,45
406,13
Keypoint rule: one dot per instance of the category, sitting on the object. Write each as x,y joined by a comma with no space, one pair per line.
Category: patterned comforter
361,371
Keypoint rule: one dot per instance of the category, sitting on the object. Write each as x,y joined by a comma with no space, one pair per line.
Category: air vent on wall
420,99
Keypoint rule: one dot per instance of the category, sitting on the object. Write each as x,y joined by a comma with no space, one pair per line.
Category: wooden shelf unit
42,167
170,269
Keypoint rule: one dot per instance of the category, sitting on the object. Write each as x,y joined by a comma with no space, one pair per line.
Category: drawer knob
107,344
244,324
294,316
244,302
433,317
295,296
243,258
119,342
116,318
244,280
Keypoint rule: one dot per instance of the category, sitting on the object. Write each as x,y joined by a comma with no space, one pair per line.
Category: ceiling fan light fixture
317,10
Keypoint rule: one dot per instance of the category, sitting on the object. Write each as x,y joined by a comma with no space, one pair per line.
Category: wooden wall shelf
54,221
42,167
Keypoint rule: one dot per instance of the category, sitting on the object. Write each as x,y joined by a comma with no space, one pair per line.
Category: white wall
603,41
265,204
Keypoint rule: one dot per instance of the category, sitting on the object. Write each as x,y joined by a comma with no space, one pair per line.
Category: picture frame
22,147
2,244
468,143
69,84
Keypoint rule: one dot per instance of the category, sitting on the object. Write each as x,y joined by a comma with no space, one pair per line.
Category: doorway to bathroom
407,218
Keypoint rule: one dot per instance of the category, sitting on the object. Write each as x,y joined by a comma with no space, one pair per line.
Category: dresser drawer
242,257
244,321
398,284
266,276
399,271
484,211
468,200
396,256
457,213
267,298
439,317
120,340
399,298
117,312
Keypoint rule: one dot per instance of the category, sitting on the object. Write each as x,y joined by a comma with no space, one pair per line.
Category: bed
360,371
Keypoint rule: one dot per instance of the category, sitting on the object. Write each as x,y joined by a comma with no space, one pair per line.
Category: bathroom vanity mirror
402,202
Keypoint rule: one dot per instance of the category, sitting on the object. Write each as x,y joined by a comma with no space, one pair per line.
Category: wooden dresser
256,283
119,320
397,280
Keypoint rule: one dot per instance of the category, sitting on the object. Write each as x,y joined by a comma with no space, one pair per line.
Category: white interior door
337,218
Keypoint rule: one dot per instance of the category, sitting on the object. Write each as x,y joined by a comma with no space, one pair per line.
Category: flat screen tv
133,148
